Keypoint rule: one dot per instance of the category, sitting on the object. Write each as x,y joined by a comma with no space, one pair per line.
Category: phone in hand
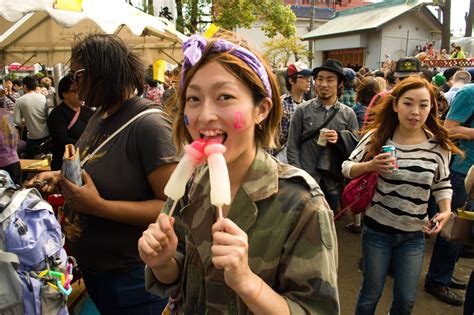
433,224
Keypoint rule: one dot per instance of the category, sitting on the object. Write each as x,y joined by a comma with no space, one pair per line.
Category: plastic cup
322,140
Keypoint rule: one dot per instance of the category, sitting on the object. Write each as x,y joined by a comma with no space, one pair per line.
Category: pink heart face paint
238,120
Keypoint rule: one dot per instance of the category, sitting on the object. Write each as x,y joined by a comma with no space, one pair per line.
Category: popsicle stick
219,209
172,208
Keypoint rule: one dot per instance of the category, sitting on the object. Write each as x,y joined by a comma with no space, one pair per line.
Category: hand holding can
393,152
322,140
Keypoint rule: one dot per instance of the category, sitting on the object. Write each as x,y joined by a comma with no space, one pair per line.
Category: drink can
322,141
393,153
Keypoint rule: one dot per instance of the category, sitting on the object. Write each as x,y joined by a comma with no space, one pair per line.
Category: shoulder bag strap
74,119
310,134
89,156
14,204
10,258
11,98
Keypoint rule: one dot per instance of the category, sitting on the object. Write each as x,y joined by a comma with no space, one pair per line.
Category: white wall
395,40
372,52
392,38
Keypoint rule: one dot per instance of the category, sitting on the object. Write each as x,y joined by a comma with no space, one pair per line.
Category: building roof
366,17
302,11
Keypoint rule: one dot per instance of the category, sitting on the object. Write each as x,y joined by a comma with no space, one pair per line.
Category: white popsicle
176,186
218,176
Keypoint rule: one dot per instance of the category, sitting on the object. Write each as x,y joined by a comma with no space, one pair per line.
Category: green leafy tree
195,15
274,14
279,50
179,16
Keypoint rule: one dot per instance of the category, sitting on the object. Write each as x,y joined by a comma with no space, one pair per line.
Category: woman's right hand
158,244
46,182
383,163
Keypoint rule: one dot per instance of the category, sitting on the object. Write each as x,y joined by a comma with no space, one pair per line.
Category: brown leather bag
460,228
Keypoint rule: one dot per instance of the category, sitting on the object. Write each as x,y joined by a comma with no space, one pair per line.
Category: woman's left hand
230,252
442,218
84,198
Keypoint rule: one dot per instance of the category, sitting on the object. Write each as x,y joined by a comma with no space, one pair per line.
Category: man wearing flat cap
323,118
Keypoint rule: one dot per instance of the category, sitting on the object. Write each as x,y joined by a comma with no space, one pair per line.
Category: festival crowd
291,145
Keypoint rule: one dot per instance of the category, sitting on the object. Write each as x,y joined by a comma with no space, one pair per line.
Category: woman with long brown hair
397,218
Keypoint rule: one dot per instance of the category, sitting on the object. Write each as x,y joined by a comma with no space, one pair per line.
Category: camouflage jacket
291,236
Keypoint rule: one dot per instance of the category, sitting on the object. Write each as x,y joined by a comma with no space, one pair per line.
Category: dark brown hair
386,119
366,90
112,71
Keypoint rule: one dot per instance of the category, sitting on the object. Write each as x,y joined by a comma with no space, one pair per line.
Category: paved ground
350,278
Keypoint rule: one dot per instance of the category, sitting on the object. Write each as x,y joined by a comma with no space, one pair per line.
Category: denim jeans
446,254
332,192
406,250
122,293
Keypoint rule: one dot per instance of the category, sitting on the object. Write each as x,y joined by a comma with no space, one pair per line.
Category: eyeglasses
74,74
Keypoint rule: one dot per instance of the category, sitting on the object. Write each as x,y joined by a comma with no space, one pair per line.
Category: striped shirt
400,201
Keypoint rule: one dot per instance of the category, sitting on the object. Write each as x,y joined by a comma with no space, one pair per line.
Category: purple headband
196,44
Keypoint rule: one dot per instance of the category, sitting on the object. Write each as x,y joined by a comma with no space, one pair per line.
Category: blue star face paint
186,120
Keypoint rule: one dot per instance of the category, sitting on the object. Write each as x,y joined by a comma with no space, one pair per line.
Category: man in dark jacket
304,150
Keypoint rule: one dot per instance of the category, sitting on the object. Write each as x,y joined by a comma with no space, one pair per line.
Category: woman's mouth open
216,136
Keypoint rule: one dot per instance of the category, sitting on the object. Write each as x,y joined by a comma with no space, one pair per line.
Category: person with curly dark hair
124,180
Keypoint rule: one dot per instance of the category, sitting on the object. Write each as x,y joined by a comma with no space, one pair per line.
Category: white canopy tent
33,31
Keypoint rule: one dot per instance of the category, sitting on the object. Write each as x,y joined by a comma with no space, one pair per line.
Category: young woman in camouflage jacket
275,252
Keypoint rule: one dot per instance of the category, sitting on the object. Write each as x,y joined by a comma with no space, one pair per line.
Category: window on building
351,58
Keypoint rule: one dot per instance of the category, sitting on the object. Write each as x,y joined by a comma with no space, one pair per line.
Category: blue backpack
34,269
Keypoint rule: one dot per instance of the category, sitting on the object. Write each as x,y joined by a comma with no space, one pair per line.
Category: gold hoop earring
259,126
